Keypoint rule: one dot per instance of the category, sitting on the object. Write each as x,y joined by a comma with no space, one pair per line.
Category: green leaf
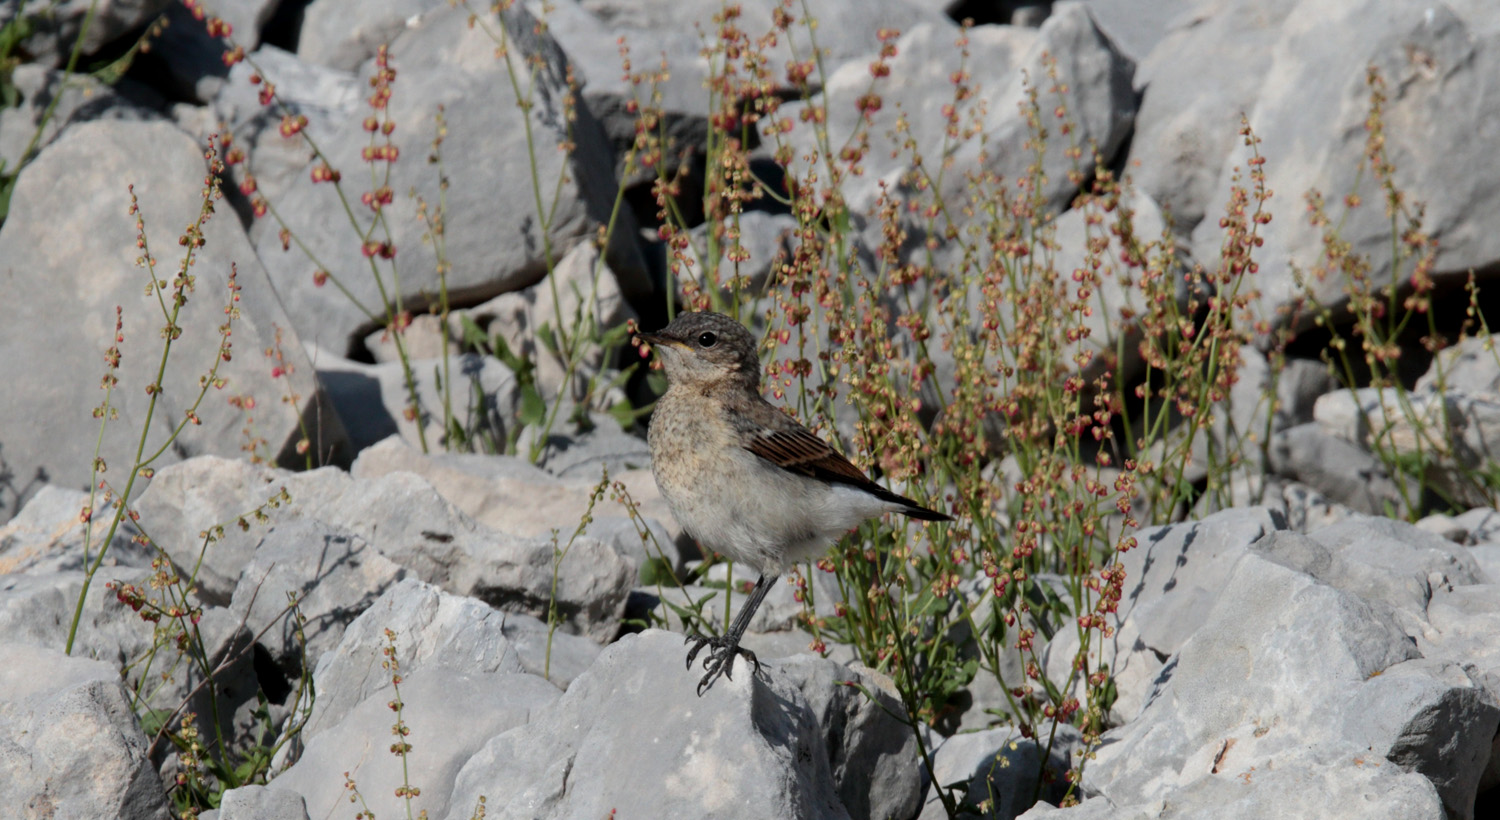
1054,601
246,770
694,617
927,604
1054,694
656,571
458,437
967,672
7,185
153,719
506,356
533,408
657,381
1108,697
621,377
616,335
623,414
548,337
473,334
13,33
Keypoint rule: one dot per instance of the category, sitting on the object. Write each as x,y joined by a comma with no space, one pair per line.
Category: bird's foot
720,659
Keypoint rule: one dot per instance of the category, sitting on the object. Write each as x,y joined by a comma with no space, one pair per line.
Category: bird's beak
657,340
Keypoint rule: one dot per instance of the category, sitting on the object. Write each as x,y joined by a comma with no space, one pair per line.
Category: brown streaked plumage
799,450
742,476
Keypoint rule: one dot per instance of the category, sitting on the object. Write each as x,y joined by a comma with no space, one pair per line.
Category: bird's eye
707,339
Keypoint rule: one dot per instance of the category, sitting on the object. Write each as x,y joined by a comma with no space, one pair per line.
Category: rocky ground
1298,654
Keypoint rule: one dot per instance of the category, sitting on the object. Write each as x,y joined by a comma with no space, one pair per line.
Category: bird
743,477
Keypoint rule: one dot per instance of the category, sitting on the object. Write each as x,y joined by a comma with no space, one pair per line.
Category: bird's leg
720,660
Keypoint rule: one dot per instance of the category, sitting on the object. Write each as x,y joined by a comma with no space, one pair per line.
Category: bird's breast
736,503
690,450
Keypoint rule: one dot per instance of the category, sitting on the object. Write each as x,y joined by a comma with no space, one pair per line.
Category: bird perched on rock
743,477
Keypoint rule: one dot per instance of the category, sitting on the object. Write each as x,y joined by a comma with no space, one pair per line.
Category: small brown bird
743,477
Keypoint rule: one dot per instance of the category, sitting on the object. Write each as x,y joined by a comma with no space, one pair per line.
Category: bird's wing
781,440
798,450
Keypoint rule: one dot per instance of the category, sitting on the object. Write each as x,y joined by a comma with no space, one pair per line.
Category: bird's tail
921,513
912,509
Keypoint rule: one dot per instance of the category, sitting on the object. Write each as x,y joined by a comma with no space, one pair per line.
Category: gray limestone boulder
512,495
37,608
1341,785
1206,72
1308,510
450,712
260,803
653,30
1173,577
917,89
1336,468
342,34
435,628
1488,558
1246,650
66,263
50,534
1442,524
70,746
1472,366
1250,684
453,653
1139,27
1429,56
443,61
195,508
78,97
1464,622
994,773
1394,673
325,96
479,392
406,521
1433,718
333,574
1481,525
1100,101
795,742
589,584
56,27
858,715
593,48
1455,433
1380,559
582,298
588,455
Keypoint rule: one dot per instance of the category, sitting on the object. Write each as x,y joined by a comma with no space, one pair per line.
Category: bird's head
705,349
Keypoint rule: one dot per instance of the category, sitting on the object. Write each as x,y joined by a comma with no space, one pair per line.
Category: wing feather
792,447
801,451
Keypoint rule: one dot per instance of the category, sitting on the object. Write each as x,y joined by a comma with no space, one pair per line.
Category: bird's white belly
754,512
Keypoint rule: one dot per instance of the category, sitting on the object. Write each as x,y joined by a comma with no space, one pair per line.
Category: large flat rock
68,260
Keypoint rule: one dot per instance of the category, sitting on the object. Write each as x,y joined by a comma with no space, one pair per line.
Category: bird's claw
698,642
720,660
